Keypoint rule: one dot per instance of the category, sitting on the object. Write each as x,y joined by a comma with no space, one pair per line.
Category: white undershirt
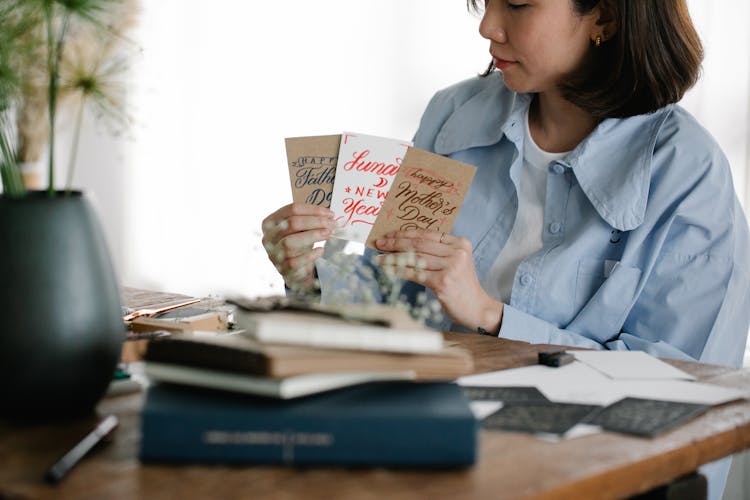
526,236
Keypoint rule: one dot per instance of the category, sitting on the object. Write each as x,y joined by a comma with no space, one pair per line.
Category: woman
601,214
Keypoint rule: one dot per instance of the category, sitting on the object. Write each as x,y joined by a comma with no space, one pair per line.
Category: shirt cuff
518,325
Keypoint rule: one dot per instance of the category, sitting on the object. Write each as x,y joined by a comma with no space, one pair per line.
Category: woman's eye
516,6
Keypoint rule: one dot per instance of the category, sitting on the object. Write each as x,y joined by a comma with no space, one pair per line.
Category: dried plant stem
74,148
51,95
54,56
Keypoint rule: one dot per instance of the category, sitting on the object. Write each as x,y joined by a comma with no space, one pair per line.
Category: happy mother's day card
427,193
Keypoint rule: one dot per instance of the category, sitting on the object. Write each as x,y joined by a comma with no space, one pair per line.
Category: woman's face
536,43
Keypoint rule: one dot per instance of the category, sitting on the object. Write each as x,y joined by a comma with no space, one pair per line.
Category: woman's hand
443,263
288,237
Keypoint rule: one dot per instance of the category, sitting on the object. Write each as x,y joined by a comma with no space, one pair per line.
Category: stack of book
309,384
148,314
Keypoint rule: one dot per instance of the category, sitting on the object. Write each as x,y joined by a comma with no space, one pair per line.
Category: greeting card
312,168
427,194
365,171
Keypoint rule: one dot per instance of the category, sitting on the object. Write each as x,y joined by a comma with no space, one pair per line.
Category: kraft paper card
427,194
365,171
312,168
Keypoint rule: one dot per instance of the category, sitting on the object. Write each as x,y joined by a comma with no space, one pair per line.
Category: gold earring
597,40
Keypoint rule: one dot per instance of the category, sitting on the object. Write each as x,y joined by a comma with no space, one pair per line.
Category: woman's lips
501,64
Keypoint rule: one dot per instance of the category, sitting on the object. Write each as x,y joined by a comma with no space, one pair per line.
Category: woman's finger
299,209
293,243
303,261
281,218
423,262
295,224
421,276
303,223
439,236
415,233
418,243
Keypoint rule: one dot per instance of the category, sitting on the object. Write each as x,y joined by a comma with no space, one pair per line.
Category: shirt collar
484,118
612,165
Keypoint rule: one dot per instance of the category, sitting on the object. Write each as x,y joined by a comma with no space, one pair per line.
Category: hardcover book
138,302
293,386
406,424
184,319
241,354
371,327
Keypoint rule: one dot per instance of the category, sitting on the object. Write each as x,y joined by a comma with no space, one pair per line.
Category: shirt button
555,227
557,169
527,279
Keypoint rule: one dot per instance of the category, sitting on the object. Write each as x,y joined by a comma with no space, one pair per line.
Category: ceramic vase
61,328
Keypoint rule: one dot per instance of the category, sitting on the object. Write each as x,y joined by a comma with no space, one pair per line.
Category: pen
72,457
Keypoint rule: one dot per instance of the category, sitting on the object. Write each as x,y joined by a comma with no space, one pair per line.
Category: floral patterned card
427,193
312,168
365,171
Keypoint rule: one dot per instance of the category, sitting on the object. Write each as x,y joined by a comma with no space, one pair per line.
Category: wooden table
511,465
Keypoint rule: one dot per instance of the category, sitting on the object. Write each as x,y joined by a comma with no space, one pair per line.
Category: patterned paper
365,171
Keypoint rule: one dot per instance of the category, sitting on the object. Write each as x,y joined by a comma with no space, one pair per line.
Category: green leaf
11,177
88,10
34,35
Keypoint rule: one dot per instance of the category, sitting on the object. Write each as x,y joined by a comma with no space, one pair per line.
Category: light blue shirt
645,246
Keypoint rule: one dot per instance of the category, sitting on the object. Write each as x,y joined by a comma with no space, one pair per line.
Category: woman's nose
491,26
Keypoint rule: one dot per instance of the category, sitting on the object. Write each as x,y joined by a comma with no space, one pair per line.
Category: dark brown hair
650,61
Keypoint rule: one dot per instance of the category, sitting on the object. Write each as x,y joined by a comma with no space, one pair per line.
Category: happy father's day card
312,168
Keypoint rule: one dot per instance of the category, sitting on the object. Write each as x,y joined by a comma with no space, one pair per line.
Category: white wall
721,99
216,91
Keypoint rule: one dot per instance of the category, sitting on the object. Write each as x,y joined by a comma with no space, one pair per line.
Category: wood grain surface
510,465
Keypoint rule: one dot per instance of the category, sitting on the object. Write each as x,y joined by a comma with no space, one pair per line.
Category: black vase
61,328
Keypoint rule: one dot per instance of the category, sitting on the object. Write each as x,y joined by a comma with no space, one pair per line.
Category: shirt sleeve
691,305
518,325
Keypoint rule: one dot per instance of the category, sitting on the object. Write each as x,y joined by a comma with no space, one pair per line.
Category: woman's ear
607,19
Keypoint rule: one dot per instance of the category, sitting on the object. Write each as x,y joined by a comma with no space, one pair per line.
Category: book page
136,299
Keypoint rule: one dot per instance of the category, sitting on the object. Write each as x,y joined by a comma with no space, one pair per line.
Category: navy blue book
426,424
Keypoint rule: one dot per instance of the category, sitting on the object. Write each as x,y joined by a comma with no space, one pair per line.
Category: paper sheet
579,383
630,365
483,409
